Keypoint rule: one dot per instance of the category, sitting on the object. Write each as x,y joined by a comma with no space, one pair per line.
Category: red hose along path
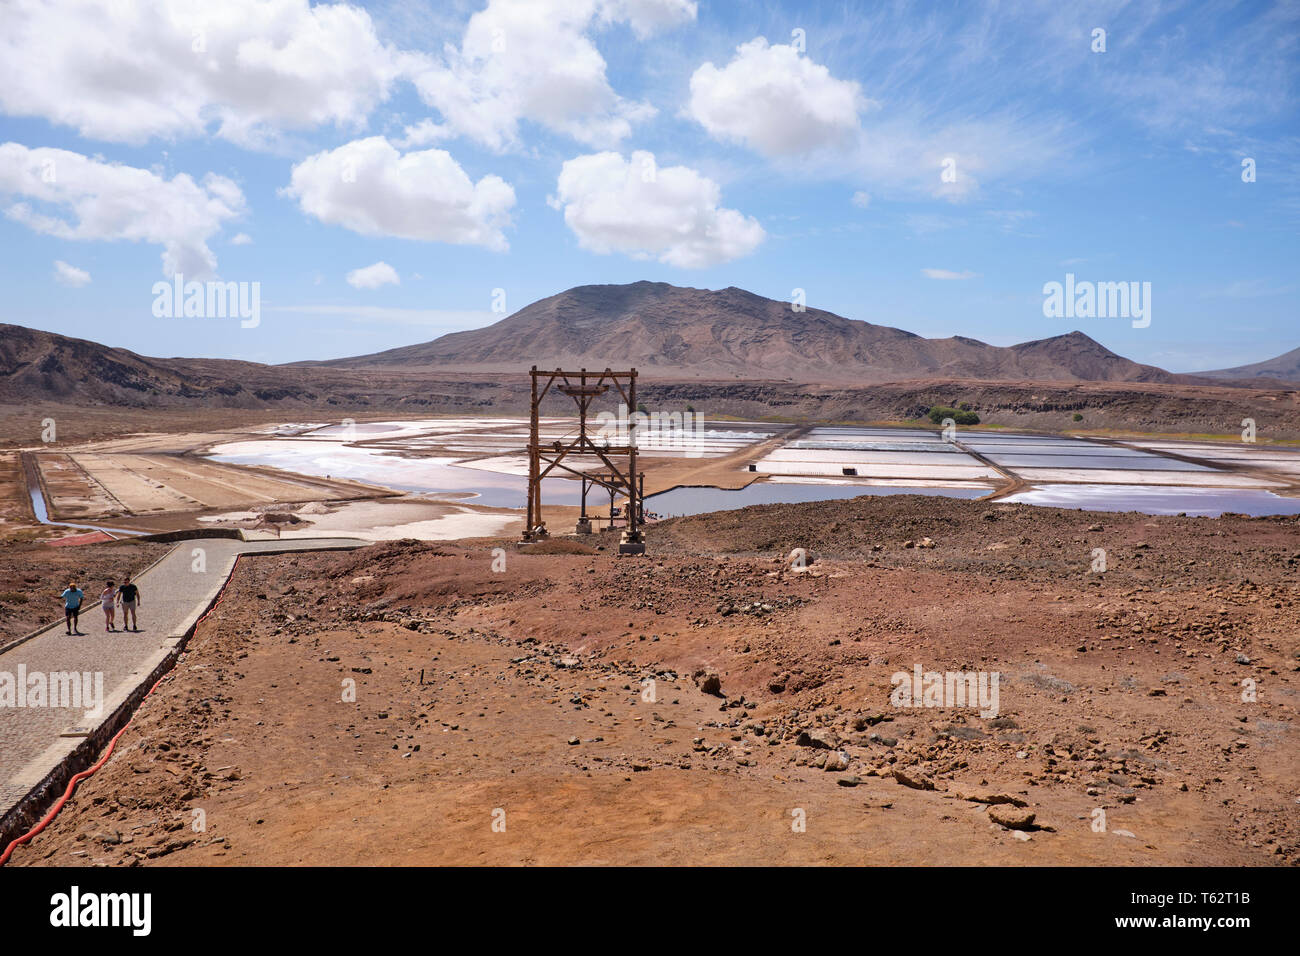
77,778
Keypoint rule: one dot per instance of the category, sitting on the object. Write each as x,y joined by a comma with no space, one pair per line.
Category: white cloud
128,71
241,239
913,111
371,188
948,274
65,274
92,200
251,70
648,17
861,199
532,60
775,101
372,277
670,214
424,133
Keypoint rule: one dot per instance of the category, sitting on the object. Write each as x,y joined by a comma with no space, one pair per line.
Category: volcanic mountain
669,333
1284,368
733,334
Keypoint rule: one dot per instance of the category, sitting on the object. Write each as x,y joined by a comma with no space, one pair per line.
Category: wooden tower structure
596,460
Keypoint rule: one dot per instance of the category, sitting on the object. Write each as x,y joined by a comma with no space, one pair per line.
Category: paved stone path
174,593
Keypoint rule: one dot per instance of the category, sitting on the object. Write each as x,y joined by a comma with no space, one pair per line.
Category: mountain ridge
669,333
733,333
1281,369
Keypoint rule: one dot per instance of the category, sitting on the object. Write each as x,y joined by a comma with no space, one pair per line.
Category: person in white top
108,600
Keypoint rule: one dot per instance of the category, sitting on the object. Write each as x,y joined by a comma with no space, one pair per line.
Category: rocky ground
712,703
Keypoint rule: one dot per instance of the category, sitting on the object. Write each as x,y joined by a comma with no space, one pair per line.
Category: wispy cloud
68,275
925,223
446,319
948,274
1248,289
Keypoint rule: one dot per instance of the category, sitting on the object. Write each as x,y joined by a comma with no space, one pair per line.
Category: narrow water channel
42,512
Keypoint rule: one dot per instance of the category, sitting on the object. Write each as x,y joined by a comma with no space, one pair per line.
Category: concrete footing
631,543
532,537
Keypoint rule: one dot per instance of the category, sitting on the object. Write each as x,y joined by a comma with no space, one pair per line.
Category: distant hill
729,334
1284,369
47,367
59,368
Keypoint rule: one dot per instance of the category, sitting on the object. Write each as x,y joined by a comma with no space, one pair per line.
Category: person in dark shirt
128,595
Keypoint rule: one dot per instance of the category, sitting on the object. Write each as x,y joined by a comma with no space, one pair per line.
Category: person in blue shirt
72,598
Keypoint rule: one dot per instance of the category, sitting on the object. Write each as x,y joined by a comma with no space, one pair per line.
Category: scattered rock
984,796
914,779
821,738
1013,818
708,682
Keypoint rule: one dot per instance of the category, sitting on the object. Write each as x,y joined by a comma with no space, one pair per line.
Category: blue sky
534,146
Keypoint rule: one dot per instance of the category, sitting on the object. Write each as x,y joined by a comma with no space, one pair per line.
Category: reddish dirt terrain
517,698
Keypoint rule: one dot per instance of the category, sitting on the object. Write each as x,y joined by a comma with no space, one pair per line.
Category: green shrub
960,416
1078,417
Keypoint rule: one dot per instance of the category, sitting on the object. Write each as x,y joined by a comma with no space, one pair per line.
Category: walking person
72,597
129,597
108,601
